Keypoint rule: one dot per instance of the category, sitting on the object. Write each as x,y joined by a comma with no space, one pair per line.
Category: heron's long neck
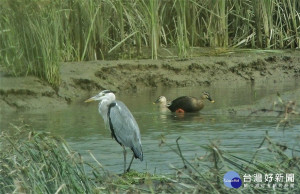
103,110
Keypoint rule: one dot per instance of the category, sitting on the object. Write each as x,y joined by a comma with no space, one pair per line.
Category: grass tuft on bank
36,162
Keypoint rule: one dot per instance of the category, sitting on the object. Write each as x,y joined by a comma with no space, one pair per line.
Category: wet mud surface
81,80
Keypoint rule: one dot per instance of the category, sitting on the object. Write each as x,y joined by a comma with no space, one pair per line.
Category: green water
83,128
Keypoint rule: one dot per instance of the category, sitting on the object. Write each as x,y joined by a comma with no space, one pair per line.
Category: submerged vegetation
37,162
35,35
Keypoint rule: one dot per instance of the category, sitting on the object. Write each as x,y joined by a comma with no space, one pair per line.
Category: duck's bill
155,102
211,100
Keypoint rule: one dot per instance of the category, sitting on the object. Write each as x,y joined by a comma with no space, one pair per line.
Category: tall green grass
30,40
35,35
36,162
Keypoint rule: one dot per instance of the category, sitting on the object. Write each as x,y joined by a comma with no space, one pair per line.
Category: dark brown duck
189,104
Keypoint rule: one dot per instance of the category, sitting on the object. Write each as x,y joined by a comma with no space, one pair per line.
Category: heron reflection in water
124,128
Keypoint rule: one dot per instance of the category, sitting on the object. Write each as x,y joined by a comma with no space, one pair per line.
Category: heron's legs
130,163
124,152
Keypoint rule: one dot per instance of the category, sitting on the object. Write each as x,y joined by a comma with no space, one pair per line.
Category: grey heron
124,128
186,103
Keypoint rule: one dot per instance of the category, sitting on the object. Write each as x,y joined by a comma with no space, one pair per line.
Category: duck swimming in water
185,103
163,103
162,100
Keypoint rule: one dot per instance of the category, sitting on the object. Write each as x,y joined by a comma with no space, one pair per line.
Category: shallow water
83,127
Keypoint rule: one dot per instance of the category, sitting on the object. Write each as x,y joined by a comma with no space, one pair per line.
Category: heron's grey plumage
120,121
125,128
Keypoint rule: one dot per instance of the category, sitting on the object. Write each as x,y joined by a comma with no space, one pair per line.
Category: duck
163,103
185,103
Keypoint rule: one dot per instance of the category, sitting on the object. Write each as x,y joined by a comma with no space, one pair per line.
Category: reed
211,168
181,28
37,35
30,40
36,162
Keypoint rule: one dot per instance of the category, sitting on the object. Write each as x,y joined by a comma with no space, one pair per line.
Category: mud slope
80,80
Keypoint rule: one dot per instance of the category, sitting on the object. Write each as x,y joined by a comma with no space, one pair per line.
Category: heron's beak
89,100
212,101
94,98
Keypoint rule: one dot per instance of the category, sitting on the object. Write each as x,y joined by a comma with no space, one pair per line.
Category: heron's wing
124,128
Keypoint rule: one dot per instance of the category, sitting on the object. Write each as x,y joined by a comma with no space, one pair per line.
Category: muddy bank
81,80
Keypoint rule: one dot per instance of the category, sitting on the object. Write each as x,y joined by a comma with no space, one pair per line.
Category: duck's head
207,96
161,100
